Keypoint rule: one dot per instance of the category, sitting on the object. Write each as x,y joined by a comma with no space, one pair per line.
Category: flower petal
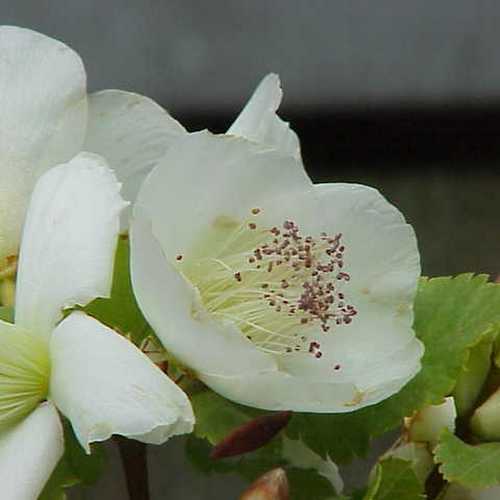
29,453
212,176
259,122
44,109
69,241
169,303
105,386
282,390
132,132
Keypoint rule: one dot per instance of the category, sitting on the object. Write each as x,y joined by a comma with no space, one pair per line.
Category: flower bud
251,435
485,422
273,485
427,424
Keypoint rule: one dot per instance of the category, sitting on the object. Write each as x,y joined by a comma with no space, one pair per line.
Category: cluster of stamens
275,283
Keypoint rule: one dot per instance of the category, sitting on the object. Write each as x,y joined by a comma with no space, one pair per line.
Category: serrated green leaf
451,316
121,311
394,479
306,484
7,314
471,466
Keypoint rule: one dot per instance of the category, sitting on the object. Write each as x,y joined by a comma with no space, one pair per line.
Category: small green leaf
472,466
394,479
121,311
7,314
451,316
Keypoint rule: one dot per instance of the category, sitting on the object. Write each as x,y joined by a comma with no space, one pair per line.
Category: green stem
135,466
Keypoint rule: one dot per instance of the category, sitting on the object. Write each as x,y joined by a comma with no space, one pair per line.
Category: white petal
169,303
299,455
43,103
29,453
69,241
203,177
259,122
132,132
104,385
282,391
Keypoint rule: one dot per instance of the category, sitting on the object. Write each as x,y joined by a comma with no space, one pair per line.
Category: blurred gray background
207,55
402,95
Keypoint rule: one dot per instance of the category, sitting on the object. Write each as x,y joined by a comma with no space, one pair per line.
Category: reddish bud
251,436
273,485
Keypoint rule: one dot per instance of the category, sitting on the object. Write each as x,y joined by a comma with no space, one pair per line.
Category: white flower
47,118
100,381
278,293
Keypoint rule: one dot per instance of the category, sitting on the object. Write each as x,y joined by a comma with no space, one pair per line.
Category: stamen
275,284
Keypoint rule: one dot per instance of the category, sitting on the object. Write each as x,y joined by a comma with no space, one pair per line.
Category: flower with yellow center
48,118
77,366
278,293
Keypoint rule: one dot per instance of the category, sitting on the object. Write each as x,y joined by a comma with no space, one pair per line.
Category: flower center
274,283
24,375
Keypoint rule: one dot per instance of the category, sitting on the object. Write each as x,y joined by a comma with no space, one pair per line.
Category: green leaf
306,484
394,479
121,311
7,314
451,316
471,466
216,417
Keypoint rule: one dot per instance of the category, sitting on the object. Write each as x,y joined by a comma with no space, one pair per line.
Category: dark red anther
251,436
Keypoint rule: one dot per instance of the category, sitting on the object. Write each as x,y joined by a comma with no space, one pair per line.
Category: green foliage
394,479
216,417
451,316
75,467
471,466
121,311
